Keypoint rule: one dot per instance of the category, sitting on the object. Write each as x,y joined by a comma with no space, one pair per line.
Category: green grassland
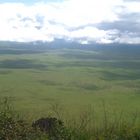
74,77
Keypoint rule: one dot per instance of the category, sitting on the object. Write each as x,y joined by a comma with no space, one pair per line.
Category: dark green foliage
13,128
53,127
20,64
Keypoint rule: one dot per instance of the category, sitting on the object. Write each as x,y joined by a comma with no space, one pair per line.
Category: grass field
75,78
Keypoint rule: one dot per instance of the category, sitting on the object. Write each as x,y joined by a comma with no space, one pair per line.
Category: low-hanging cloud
108,21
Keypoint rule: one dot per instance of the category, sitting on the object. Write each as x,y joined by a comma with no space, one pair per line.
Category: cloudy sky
84,21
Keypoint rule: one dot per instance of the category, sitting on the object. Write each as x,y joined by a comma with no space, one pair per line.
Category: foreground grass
16,127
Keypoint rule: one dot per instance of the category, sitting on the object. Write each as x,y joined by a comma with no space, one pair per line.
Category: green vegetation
15,127
12,127
70,80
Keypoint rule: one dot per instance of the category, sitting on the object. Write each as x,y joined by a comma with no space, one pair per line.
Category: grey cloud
130,16
38,27
40,19
24,19
80,27
128,23
120,25
51,22
70,28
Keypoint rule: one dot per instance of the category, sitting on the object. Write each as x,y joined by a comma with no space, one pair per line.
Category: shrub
13,128
53,127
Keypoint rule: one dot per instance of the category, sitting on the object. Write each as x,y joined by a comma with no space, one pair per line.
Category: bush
53,127
12,128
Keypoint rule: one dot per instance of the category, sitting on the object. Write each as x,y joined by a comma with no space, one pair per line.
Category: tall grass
12,127
87,126
83,127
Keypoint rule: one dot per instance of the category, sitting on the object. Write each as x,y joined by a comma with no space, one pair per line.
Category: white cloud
133,6
46,21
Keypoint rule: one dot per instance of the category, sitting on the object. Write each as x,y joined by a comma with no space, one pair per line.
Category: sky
29,2
83,21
